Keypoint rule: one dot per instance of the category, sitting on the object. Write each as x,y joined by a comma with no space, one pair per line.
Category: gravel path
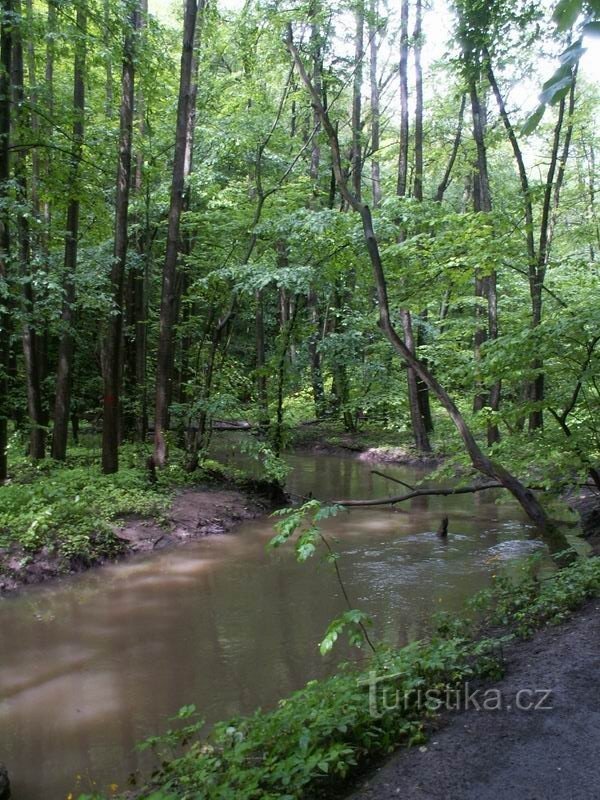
515,754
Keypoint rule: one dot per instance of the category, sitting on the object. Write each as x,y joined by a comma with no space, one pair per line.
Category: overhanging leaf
566,13
533,120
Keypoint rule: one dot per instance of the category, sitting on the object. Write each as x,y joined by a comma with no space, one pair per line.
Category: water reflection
91,666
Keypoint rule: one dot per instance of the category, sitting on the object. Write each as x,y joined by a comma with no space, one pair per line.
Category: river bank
367,444
69,518
194,513
517,750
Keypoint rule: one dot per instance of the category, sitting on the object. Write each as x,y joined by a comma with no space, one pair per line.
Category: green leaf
533,120
573,53
555,86
566,13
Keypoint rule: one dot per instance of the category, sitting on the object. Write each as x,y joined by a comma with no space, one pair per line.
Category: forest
304,242
308,226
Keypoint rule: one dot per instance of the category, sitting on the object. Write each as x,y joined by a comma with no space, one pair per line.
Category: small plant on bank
305,522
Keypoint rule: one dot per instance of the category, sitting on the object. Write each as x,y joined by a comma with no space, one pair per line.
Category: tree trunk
64,368
112,344
5,109
417,37
485,287
419,432
375,105
421,388
140,281
262,395
31,350
420,436
359,16
168,304
403,70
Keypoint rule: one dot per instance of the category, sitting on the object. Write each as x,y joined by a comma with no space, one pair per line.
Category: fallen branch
388,501
395,480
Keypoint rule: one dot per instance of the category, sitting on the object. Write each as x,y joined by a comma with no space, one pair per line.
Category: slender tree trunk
5,109
112,343
420,436
143,243
359,16
418,46
108,79
445,182
485,287
538,259
261,375
64,369
375,105
314,355
554,179
23,120
421,388
168,303
403,68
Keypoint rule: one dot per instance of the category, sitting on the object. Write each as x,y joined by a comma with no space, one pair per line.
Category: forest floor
195,512
508,754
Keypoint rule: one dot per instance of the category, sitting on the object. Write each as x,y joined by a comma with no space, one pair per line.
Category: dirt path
510,754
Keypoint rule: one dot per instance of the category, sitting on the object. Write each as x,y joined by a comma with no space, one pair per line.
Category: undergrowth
71,508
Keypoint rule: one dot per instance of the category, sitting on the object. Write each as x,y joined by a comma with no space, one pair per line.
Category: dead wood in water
383,501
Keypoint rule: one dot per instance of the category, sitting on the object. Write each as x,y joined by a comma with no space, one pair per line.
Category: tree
62,402
111,350
479,460
5,115
169,299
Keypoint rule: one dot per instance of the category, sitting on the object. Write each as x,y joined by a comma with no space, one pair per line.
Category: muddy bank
548,754
195,512
382,454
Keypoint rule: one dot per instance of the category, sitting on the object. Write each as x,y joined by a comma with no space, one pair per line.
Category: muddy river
91,665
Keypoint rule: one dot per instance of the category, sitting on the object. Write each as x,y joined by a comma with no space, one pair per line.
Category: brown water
92,665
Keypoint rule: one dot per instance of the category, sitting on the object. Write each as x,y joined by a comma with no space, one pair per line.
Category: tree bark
29,334
359,16
168,304
64,368
262,395
418,45
485,286
422,392
112,344
420,436
403,71
375,104
5,114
